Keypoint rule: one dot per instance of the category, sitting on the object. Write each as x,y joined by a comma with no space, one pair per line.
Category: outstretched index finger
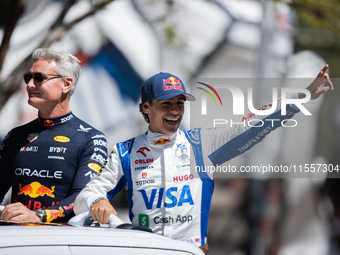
322,72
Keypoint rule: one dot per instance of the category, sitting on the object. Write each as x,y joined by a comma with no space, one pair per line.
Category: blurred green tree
10,13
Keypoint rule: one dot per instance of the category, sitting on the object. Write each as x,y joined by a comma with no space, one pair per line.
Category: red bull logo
69,207
54,214
175,84
35,189
48,123
162,141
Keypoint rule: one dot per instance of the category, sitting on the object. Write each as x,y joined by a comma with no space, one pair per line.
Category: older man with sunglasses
48,161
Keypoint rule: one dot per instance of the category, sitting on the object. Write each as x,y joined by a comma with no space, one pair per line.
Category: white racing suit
163,193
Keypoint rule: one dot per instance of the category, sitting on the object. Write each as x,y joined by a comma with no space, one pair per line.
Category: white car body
60,239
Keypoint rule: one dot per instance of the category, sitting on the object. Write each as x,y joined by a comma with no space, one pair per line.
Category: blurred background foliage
317,28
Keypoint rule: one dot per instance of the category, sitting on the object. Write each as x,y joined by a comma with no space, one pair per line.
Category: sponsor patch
67,118
143,220
162,141
98,136
171,220
35,189
32,137
41,173
95,167
98,157
145,182
172,83
100,143
143,161
142,149
54,214
48,123
61,139
185,177
143,167
144,175
83,129
56,157
58,149
29,148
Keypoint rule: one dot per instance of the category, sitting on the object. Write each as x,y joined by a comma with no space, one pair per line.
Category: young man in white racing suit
163,193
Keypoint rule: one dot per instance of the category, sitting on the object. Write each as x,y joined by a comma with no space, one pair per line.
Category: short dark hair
146,117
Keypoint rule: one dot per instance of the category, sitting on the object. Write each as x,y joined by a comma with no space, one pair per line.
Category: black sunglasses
38,77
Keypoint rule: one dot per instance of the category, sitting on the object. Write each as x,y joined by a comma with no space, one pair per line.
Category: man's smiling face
165,115
47,94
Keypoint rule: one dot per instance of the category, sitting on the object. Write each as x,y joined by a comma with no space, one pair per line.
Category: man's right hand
102,210
18,212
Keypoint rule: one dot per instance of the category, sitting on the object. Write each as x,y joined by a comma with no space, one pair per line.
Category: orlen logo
142,149
143,161
61,139
175,84
35,189
183,178
162,141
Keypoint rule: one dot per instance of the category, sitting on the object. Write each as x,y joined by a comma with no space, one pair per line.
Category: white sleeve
224,143
293,96
101,184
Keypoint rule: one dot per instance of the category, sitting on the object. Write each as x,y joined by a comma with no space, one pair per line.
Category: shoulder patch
125,147
193,136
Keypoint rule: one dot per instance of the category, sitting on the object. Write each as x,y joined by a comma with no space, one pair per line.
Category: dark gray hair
66,64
